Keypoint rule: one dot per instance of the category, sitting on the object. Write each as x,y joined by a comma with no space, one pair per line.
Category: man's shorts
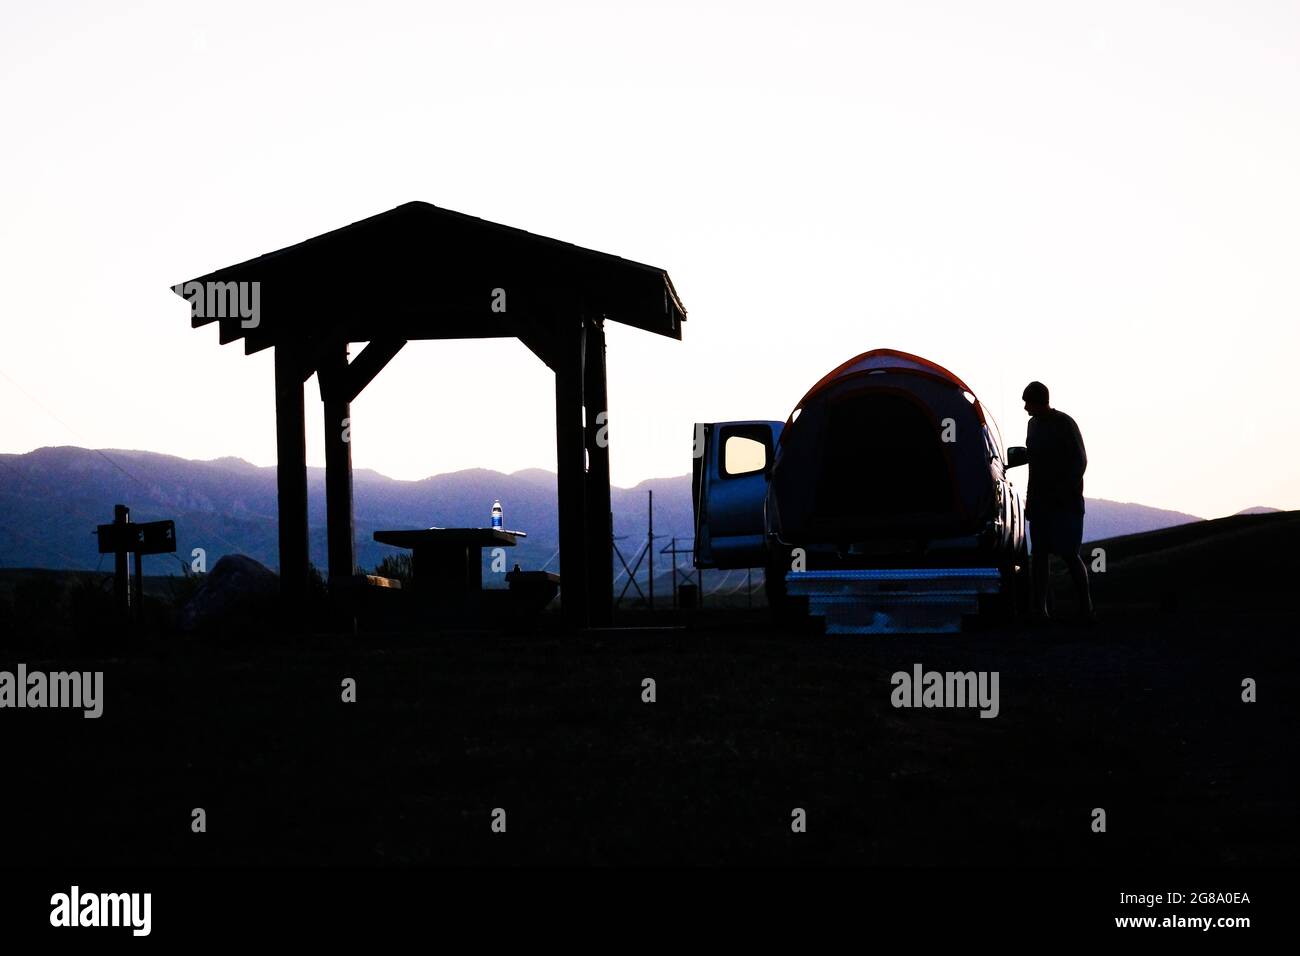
1056,532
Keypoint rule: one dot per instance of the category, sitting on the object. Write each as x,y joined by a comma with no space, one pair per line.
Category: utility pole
650,547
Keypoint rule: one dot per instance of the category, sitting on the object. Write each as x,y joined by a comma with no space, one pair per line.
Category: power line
39,404
92,521
74,562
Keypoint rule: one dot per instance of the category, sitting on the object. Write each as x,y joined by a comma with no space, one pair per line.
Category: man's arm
1081,453
1031,440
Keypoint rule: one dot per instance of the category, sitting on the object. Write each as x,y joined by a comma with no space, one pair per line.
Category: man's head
1036,398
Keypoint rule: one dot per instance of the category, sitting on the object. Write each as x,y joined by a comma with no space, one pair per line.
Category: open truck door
729,473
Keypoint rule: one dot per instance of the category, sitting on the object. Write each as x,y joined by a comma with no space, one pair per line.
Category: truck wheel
1002,607
774,583
784,608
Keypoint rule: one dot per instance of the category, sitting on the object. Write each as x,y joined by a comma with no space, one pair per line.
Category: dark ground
1141,716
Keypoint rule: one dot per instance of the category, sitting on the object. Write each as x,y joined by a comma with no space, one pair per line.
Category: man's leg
1074,564
1079,575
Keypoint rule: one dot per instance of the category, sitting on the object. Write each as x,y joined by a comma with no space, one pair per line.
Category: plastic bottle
496,514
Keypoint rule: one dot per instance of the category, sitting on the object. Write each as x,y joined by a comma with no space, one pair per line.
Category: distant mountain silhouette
52,498
1259,510
1110,519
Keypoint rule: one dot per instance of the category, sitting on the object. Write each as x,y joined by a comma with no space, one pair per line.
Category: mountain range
52,498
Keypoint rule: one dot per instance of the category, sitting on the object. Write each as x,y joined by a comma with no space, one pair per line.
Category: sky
1102,197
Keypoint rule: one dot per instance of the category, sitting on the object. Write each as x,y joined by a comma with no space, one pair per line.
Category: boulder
237,584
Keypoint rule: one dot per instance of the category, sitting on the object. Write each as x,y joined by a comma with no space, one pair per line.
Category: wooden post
121,579
291,473
137,588
571,472
599,519
338,465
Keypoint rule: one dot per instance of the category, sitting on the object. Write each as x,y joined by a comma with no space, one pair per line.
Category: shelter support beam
333,377
363,369
599,521
291,473
571,470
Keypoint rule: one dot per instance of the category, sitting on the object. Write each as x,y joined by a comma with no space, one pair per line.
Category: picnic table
447,563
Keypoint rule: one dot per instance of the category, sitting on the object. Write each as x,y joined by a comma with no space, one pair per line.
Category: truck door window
742,455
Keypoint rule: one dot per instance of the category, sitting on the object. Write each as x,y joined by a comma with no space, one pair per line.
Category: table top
450,537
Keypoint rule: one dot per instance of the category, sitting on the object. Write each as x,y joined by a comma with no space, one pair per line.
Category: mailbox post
122,537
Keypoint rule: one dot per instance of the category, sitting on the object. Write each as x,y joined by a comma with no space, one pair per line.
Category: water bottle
496,514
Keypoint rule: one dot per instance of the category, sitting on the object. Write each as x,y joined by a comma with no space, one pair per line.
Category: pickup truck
882,503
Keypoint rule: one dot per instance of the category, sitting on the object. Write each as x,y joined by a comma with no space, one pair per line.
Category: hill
1242,561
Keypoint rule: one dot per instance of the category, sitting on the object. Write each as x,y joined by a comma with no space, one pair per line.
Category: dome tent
889,445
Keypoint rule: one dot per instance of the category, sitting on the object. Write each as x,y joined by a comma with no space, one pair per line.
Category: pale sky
1103,196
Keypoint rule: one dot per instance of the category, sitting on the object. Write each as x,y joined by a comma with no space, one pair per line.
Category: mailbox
145,537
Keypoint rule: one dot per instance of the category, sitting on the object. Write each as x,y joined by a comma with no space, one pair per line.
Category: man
1054,500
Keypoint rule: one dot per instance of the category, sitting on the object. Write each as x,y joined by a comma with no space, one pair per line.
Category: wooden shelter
421,272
